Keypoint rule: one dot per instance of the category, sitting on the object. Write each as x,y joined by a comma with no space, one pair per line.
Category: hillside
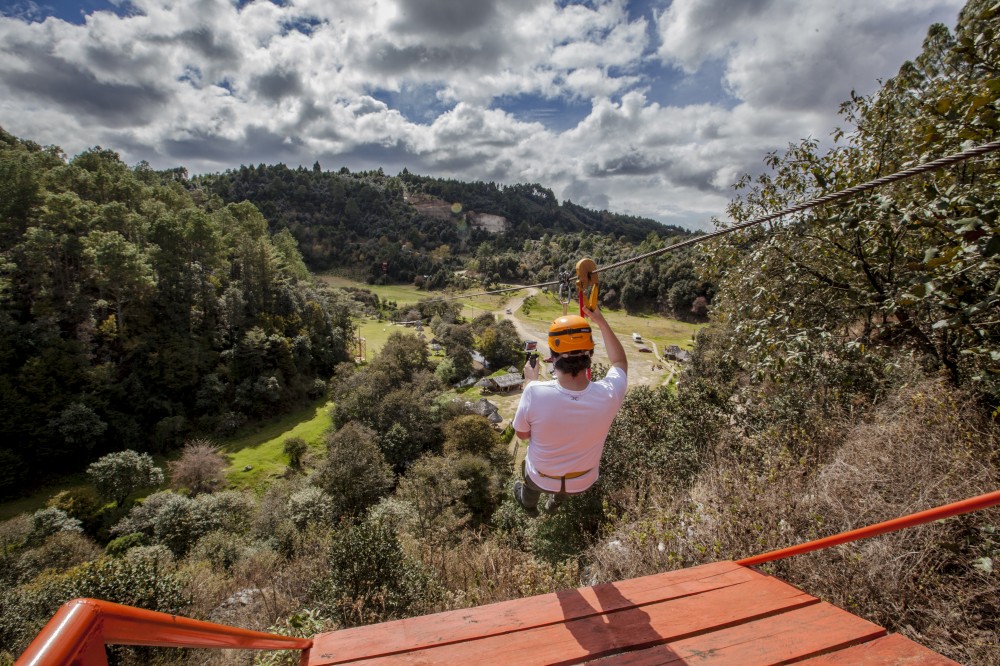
134,314
422,230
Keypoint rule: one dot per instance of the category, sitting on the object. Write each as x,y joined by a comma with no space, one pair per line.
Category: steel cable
940,163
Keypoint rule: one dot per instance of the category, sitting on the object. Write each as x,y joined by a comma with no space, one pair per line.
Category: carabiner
564,287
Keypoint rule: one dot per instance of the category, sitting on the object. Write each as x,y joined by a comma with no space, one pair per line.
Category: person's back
567,419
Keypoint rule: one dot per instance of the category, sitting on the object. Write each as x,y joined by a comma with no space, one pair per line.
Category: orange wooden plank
892,650
776,639
521,614
600,635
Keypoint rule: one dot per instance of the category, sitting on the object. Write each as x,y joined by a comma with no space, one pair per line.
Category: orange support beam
928,516
78,632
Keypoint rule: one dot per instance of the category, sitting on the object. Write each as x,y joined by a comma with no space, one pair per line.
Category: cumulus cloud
460,89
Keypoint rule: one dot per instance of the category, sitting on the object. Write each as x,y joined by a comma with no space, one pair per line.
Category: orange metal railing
930,515
78,632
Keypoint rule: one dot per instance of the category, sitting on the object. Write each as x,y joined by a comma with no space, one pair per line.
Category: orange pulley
586,276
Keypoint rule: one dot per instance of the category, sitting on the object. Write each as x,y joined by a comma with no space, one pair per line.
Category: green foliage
143,582
118,475
177,521
501,345
913,265
370,579
471,433
660,434
134,310
81,504
303,623
295,448
121,545
566,533
483,485
434,487
311,506
46,522
355,473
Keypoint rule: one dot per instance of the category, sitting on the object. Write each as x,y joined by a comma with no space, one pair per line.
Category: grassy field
401,293
406,293
653,328
263,449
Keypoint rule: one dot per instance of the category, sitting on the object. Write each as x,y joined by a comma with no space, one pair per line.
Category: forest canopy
134,311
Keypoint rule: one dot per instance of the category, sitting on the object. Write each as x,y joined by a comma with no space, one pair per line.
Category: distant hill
364,219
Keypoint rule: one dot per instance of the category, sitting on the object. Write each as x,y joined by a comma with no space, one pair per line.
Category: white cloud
416,82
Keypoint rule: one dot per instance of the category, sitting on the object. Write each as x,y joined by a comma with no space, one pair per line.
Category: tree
295,448
80,426
370,578
355,474
471,434
501,345
200,468
699,307
118,475
433,486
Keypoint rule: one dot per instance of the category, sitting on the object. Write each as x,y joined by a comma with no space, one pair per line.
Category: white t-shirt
568,428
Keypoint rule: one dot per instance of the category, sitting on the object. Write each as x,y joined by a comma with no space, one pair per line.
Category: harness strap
571,475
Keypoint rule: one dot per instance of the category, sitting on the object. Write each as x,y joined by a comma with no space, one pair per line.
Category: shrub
118,475
118,546
175,525
355,474
295,448
58,552
370,578
46,522
150,584
81,504
200,468
221,549
311,505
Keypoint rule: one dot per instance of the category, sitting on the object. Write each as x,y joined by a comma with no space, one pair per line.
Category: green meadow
263,449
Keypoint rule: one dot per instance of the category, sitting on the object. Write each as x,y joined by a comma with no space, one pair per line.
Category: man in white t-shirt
567,419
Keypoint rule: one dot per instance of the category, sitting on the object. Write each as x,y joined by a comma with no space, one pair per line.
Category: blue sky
650,108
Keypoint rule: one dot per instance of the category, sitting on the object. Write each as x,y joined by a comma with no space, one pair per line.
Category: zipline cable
940,163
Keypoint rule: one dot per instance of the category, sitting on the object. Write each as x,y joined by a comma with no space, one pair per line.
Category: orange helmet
570,333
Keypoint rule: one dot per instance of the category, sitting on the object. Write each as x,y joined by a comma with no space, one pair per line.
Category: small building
482,407
502,383
675,353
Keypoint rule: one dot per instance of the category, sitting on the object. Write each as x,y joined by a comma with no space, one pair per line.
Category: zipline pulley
586,276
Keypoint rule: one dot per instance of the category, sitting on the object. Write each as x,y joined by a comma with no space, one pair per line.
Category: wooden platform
720,613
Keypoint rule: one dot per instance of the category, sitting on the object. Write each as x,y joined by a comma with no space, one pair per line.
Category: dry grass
480,571
927,445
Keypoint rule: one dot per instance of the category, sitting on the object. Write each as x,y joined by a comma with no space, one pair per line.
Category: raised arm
616,353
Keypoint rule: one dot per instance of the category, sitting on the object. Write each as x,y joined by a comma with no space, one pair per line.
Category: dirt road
642,366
